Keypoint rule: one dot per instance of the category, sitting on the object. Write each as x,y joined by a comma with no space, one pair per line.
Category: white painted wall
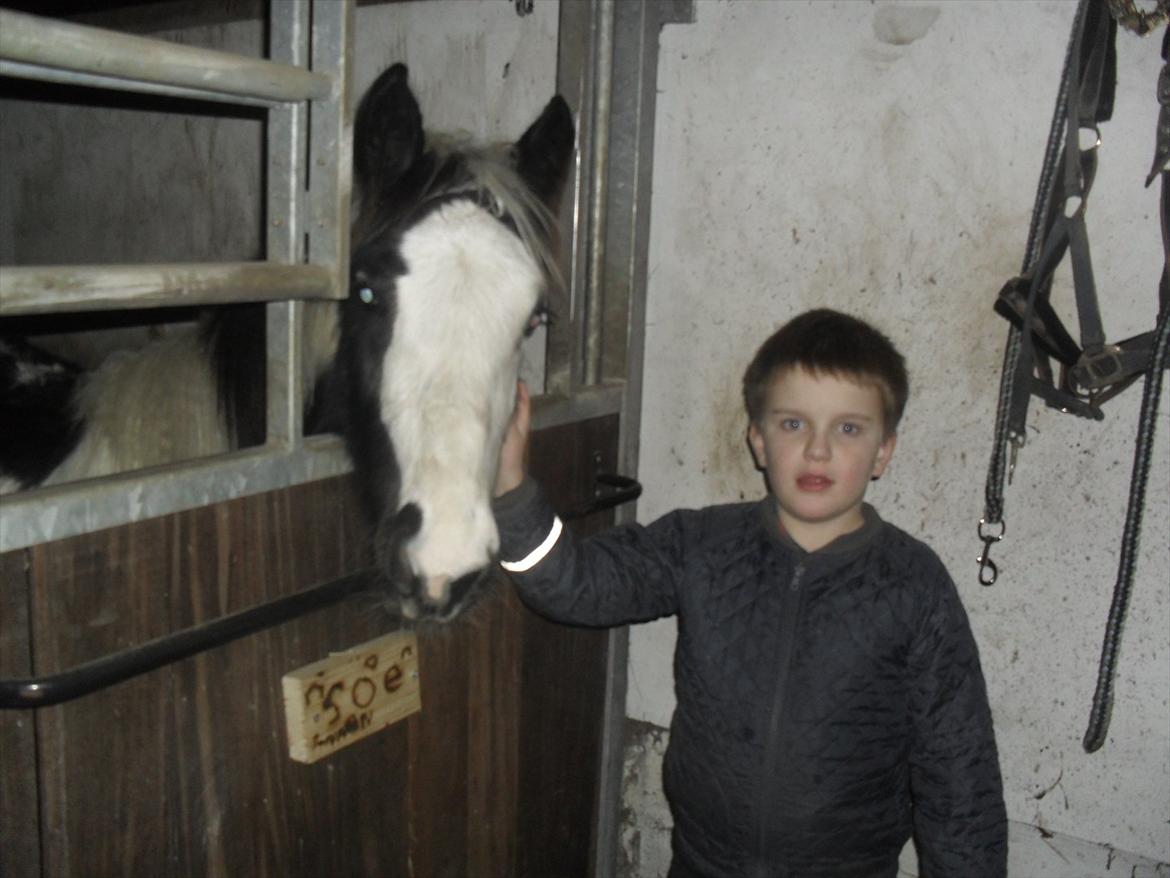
882,158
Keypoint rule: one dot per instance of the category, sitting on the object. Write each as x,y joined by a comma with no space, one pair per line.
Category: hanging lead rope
1007,442
1102,708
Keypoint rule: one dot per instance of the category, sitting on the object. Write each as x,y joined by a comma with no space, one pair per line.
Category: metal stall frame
608,70
305,86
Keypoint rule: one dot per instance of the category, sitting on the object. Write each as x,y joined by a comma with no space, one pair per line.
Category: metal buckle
1099,369
988,572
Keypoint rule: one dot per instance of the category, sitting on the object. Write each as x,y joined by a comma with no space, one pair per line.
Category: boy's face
820,440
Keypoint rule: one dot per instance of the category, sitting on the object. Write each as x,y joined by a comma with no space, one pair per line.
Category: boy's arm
627,574
960,824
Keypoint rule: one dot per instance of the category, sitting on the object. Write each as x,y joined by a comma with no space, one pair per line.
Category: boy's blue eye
790,424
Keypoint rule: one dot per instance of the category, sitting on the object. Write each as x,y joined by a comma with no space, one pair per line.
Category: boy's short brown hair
827,341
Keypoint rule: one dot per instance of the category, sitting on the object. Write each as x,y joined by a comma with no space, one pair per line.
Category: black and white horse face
452,263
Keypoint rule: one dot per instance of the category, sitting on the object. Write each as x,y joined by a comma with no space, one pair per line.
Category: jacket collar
844,545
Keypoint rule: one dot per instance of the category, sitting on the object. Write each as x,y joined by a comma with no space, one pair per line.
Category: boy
830,700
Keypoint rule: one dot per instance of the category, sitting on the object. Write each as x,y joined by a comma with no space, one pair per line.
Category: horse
453,252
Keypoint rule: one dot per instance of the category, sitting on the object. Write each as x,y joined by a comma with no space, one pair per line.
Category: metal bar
612,757
563,358
330,160
42,515
634,106
554,410
287,137
18,70
289,35
598,193
45,514
42,289
121,666
629,171
37,46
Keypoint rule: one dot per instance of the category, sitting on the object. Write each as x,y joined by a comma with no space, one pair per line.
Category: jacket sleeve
627,574
960,823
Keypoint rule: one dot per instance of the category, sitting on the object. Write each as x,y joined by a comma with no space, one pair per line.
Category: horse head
453,254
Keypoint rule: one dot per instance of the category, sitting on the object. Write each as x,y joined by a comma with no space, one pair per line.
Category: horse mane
145,408
453,167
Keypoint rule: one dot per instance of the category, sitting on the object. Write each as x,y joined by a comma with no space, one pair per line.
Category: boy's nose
817,447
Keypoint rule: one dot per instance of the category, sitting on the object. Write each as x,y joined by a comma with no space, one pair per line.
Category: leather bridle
1091,372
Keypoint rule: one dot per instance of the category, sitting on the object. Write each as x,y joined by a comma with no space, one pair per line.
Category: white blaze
448,380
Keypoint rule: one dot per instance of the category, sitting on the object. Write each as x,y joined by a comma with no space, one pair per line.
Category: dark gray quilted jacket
829,703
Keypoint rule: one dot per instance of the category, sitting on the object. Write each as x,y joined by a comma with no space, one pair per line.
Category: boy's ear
756,443
885,452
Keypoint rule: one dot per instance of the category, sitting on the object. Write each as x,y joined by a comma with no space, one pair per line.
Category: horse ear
542,155
388,134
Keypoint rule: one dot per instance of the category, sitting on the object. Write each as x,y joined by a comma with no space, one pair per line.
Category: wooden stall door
185,771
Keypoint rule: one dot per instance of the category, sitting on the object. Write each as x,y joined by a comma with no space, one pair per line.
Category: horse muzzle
440,598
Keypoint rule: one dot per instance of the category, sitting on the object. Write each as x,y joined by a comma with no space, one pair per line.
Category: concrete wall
882,158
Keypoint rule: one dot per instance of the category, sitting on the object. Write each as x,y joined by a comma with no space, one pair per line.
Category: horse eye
540,317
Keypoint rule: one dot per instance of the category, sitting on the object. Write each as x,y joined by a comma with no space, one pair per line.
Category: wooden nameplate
348,696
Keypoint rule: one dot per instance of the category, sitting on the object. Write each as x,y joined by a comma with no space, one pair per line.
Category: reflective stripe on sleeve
536,555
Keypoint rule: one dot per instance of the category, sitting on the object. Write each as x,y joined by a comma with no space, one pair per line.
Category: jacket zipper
790,606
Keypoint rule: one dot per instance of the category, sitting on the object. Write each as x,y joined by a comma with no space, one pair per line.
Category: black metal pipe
121,666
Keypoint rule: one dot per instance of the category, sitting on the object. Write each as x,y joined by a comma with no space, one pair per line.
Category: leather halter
1093,371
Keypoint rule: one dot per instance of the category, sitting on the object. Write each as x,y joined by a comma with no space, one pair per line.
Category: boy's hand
514,451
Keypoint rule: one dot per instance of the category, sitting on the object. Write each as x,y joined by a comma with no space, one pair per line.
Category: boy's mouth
814,483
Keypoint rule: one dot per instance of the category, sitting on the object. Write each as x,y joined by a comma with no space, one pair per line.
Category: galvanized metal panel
46,514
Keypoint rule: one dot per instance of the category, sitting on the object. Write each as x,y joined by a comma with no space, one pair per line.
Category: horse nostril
443,599
407,585
410,609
